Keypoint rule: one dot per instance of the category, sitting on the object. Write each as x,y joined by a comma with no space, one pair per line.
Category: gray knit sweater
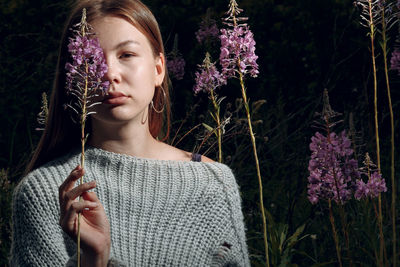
161,213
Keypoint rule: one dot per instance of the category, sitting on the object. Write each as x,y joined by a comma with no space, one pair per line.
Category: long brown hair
61,133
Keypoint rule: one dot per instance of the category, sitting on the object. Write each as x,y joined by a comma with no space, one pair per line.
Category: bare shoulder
206,159
172,153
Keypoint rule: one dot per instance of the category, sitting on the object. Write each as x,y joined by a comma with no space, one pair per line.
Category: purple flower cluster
176,66
86,51
208,30
331,168
395,60
375,185
237,45
208,77
238,52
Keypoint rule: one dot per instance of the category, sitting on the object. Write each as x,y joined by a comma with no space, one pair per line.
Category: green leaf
293,239
208,127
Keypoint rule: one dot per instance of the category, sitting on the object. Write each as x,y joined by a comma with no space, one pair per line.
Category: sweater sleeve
37,238
233,250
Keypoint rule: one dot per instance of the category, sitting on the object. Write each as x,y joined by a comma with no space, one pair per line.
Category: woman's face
133,71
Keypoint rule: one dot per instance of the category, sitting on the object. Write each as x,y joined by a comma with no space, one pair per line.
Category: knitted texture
161,213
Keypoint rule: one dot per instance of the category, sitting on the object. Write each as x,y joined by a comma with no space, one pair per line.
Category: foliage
6,189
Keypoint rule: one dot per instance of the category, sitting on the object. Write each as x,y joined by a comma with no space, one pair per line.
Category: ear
159,69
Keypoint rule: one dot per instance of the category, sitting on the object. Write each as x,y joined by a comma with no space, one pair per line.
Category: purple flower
362,190
331,168
175,62
208,30
86,50
176,66
395,60
237,46
208,77
375,185
85,71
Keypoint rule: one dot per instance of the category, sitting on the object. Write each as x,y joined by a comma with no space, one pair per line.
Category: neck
128,138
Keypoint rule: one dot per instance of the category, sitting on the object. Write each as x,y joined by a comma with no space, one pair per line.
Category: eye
126,55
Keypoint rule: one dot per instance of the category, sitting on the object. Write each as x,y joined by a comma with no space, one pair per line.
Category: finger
79,190
75,174
70,196
69,183
90,196
67,222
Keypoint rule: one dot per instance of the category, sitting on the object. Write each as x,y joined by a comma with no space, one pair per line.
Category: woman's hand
94,225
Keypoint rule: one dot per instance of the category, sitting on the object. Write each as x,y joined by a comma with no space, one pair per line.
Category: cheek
144,75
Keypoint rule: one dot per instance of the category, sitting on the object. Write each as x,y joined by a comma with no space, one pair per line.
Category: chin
118,115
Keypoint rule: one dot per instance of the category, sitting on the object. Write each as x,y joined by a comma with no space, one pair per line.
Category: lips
115,98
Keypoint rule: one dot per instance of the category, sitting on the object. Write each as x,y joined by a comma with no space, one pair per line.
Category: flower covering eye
85,71
88,62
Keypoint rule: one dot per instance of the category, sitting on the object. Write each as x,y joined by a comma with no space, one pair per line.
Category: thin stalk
341,208
218,121
253,142
343,219
372,37
83,140
385,52
380,260
335,237
186,134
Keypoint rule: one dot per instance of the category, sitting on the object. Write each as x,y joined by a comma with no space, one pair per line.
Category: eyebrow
125,43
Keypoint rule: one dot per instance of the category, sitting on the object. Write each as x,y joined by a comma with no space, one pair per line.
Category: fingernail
93,183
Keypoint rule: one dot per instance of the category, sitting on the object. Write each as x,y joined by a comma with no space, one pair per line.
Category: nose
113,74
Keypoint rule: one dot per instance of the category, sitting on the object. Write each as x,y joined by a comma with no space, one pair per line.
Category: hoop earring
143,120
163,106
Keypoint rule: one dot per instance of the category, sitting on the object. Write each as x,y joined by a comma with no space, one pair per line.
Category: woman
145,203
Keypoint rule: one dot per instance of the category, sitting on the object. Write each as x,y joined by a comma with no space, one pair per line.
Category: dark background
304,46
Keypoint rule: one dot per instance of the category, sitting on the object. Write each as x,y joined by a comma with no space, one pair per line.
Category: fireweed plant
335,175
43,114
208,30
208,79
332,169
238,60
388,20
84,83
379,17
375,184
175,62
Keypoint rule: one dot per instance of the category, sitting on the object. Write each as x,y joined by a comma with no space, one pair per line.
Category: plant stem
343,219
385,52
341,208
83,140
377,216
218,121
372,37
253,142
335,237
